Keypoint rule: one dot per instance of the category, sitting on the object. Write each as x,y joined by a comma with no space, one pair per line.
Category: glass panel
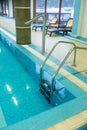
52,9
67,10
4,7
40,4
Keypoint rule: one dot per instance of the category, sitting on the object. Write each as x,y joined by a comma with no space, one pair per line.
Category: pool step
45,89
51,95
56,95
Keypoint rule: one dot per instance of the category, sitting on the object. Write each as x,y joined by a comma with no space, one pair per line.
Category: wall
77,5
79,29
0,9
82,26
10,8
8,24
31,8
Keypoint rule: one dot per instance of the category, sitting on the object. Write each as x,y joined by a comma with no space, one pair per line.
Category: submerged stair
56,94
45,89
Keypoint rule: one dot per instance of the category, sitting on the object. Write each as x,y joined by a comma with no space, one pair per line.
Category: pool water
20,96
22,106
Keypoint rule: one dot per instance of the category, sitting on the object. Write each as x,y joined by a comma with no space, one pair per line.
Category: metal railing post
74,60
43,32
60,66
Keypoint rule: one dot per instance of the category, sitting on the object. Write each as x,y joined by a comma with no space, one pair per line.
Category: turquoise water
19,94
20,97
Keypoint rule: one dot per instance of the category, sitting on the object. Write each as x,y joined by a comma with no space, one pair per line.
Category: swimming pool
19,90
20,98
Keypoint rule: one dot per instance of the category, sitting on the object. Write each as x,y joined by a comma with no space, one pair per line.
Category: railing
62,63
43,32
64,60
68,54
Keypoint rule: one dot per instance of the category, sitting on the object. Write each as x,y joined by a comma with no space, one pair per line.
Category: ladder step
54,96
45,89
45,92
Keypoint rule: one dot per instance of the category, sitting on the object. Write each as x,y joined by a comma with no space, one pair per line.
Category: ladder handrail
59,42
43,32
62,63
60,66
74,48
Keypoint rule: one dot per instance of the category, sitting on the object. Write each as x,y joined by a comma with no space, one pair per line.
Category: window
4,7
52,9
67,10
62,9
40,6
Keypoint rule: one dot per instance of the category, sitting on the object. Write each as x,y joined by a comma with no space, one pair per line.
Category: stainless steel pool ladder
66,57
45,86
51,87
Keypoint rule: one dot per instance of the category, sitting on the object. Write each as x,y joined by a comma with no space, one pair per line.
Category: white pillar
31,9
10,4
0,8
